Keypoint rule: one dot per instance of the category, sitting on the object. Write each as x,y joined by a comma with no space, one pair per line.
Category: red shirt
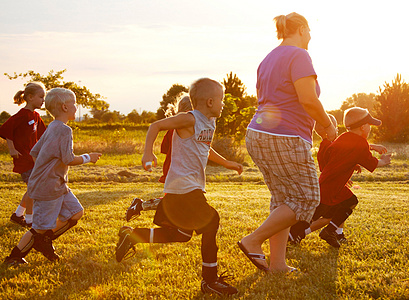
166,148
339,161
24,128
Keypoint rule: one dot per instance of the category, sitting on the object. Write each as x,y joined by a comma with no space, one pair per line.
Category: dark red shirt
339,161
24,128
166,148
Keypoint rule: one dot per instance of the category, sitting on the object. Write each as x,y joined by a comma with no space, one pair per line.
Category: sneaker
219,287
151,204
134,210
43,243
124,249
296,237
341,238
14,261
18,220
330,236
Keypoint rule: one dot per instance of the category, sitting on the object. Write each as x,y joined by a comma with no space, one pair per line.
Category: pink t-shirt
279,110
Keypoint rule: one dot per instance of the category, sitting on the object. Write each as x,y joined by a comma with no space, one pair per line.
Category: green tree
392,107
170,97
234,86
4,116
360,100
238,110
55,79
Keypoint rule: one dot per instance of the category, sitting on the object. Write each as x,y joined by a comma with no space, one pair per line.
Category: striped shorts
288,170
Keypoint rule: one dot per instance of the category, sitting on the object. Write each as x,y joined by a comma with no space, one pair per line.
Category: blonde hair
55,98
183,104
203,89
31,89
320,130
289,24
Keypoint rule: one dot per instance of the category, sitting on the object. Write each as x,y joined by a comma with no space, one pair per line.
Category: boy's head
208,94
359,120
320,130
59,101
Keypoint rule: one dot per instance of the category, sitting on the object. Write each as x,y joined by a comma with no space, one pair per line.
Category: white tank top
189,157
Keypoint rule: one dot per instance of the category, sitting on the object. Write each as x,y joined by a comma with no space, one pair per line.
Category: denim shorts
26,175
45,213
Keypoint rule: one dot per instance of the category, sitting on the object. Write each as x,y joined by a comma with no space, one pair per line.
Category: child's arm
378,148
83,159
184,124
384,160
231,165
13,152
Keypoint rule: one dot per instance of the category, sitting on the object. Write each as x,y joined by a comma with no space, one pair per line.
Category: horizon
132,52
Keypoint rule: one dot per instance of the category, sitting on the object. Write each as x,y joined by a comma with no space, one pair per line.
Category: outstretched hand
95,157
232,165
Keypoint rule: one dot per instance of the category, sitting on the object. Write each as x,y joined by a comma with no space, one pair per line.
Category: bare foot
252,247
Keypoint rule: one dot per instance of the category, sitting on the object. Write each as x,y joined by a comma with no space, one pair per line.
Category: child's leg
129,237
62,227
159,235
318,224
28,202
209,249
139,205
329,233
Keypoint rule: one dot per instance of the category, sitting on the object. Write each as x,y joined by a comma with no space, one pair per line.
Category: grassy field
373,265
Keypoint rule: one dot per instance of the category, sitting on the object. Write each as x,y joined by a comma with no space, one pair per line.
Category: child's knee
78,215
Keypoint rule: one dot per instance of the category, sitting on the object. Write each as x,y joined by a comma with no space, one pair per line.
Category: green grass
373,265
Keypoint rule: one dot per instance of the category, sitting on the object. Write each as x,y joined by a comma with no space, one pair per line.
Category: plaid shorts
288,170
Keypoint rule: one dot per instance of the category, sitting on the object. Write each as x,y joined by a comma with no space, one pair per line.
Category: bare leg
318,224
279,220
278,245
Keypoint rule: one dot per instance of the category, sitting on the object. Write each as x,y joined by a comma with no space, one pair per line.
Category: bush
229,149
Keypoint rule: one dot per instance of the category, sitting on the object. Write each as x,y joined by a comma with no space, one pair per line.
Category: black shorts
327,211
189,212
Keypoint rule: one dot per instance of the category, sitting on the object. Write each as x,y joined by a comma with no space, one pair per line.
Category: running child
22,131
138,205
338,161
184,208
55,208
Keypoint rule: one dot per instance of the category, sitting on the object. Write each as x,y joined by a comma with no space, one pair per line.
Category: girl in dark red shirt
22,131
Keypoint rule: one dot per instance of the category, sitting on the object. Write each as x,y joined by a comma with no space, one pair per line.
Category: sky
132,52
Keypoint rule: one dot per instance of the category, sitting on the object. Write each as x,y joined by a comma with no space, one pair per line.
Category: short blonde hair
56,97
203,89
289,24
30,89
320,130
183,104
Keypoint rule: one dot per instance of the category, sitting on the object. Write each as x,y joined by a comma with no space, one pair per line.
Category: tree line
390,104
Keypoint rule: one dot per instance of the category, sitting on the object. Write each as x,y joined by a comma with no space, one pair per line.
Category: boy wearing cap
338,163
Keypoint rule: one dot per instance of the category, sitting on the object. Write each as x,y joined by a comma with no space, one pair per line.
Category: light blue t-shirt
279,111
189,157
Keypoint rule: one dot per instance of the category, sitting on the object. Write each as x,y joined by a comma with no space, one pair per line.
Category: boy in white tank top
184,208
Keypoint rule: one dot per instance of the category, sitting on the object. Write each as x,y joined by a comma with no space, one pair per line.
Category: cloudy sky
131,52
